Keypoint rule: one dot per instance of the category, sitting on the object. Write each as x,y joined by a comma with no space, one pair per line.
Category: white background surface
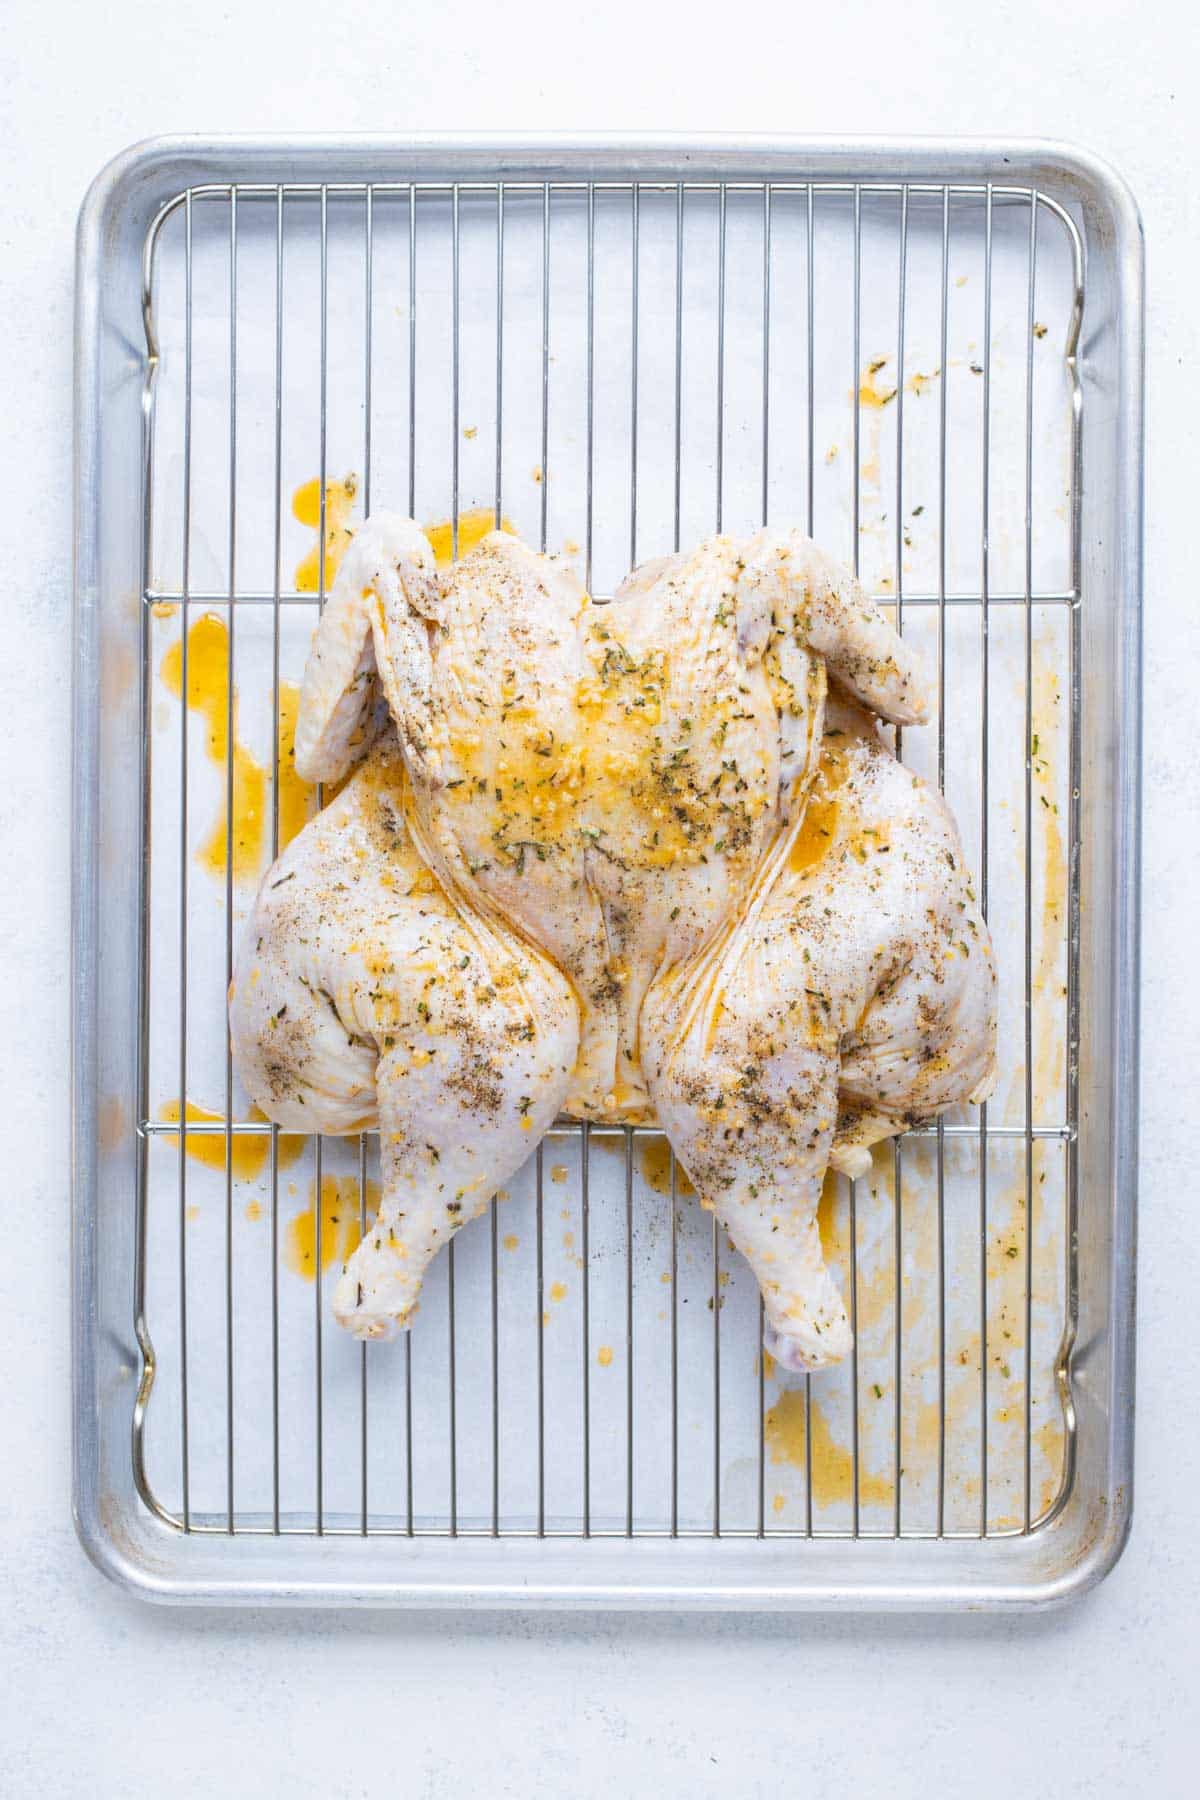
99,1694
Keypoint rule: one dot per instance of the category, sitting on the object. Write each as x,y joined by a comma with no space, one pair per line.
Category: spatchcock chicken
650,861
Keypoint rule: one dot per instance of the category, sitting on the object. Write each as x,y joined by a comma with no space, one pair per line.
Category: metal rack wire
220,260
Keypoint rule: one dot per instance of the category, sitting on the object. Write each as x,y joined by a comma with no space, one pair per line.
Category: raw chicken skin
614,814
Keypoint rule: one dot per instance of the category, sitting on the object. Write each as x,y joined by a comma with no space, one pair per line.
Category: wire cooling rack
618,367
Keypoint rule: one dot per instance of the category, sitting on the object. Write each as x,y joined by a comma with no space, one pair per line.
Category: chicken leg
859,1001
364,997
